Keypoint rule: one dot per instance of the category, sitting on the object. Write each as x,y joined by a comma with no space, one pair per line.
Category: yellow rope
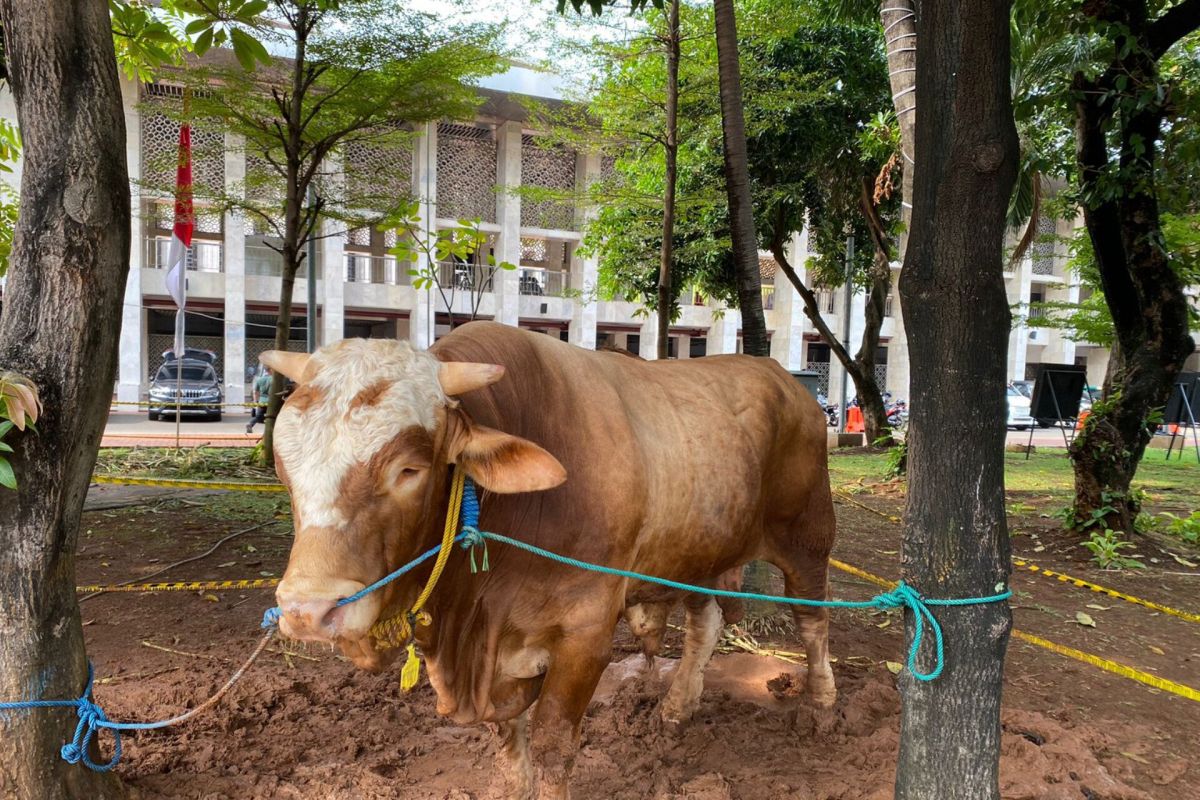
182,586
397,631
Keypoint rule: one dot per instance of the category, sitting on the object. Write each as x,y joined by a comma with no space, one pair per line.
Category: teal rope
902,596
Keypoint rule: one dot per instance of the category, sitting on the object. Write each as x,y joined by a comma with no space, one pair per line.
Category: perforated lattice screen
1042,249
264,191
552,169
466,172
822,370
160,153
881,375
378,174
533,251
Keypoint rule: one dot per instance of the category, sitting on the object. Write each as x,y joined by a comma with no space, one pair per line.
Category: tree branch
1172,26
811,309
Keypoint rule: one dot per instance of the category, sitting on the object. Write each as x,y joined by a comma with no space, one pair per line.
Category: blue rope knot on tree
905,596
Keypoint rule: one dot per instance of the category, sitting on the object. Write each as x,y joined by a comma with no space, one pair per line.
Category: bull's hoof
822,692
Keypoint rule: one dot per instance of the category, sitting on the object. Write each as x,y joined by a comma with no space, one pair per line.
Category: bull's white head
363,445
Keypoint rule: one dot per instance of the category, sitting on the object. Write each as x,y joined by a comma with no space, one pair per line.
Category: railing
262,260
453,276
887,309
361,268
540,282
203,256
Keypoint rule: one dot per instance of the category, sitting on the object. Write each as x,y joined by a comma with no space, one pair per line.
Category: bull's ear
292,365
460,377
505,464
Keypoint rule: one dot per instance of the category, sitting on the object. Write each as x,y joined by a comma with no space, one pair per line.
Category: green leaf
5,427
5,447
197,25
7,477
247,49
204,42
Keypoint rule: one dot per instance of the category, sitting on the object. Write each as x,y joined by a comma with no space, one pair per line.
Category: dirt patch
307,724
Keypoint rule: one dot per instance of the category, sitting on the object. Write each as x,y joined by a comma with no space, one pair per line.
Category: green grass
234,463
1048,472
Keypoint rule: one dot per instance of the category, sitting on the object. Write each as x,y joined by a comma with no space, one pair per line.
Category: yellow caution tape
183,586
1095,587
1111,666
172,483
1061,577
1070,652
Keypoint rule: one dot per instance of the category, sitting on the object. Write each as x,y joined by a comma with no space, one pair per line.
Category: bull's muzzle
311,612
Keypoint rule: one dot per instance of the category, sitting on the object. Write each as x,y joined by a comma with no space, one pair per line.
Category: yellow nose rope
397,630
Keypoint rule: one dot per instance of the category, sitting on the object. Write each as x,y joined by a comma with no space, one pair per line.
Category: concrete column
233,250
837,373
722,335
131,374
648,338
683,346
897,371
1018,341
508,215
581,331
421,319
787,342
333,308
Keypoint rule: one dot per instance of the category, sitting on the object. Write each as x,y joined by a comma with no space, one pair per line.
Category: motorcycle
831,410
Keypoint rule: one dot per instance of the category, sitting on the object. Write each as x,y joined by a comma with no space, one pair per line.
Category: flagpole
181,242
179,351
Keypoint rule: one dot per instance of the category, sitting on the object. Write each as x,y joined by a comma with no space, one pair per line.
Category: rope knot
473,539
271,617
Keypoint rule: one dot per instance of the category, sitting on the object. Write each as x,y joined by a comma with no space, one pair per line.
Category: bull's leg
807,577
701,631
575,669
513,757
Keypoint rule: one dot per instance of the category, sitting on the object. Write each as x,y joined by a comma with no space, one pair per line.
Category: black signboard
1057,392
1185,397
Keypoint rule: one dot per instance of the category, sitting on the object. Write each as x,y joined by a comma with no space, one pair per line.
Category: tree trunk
665,294
737,184
283,334
860,368
294,237
956,544
899,18
1143,293
62,315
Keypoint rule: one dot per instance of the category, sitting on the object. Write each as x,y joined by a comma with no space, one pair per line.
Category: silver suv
198,386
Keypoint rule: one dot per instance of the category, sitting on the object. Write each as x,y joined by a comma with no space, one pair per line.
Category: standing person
259,394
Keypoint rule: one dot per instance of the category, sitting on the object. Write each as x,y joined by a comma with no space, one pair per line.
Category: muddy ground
306,724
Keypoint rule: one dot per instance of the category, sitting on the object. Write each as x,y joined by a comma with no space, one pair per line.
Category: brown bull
684,469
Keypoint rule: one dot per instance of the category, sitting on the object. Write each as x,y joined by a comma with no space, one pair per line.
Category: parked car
1018,409
193,380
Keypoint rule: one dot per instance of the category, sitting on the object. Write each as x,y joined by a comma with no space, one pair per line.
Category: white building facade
467,169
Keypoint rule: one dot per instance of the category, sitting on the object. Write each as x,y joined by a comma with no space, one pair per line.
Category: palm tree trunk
899,18
62,316
737,184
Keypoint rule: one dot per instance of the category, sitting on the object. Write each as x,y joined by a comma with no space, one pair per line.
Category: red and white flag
181,239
